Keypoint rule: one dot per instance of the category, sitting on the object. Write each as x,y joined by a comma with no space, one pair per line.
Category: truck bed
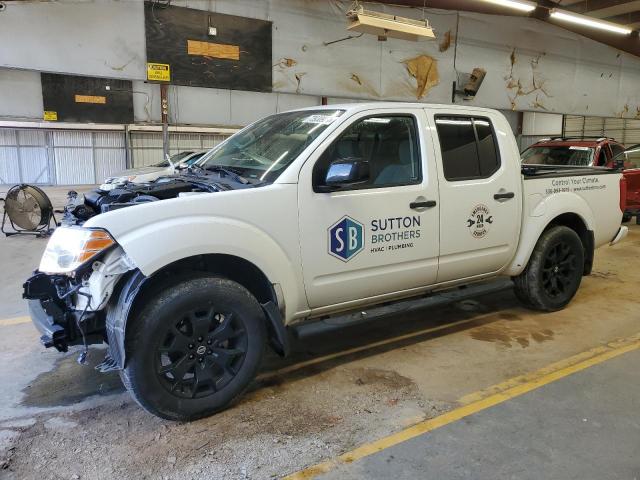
591,192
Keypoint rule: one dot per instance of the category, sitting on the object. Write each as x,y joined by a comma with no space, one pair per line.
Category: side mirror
345,173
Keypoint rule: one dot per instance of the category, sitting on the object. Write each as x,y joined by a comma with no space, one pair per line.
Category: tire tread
528,285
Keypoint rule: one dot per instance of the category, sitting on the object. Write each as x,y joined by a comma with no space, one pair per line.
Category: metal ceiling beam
625,19
464,5
586,6
625,43
620,9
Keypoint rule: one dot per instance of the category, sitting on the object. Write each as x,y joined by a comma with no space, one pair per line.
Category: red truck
592,152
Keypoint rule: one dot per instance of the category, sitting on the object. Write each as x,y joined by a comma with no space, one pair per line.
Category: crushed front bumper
52,334
51,309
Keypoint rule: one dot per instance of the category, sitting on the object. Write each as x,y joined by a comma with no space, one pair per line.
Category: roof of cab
363,106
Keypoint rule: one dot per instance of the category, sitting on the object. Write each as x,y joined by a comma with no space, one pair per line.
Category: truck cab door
378,235
480,194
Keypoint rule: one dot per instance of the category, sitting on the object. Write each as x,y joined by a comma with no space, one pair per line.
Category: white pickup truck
306,215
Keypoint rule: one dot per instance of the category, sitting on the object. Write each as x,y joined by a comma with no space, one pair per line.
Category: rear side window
632,158
616,149
469,148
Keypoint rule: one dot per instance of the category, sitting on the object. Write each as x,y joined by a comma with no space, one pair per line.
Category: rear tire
194,348
554,272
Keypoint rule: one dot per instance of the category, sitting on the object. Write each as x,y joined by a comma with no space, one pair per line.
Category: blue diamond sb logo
346,238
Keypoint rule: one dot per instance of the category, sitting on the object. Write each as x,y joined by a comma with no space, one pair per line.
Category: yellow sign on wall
90,99
159,72
214,50
50,115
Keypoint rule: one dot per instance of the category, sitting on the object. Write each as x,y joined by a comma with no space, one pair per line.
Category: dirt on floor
60,420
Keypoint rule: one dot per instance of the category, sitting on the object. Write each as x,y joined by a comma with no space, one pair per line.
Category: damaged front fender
117,314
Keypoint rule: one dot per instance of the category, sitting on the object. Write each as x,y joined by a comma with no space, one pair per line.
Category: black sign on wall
69,98
207,49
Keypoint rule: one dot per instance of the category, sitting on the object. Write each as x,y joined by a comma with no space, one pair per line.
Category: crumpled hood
141,171
167,187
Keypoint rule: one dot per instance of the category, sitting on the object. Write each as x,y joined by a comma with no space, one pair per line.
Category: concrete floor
62,420
582,427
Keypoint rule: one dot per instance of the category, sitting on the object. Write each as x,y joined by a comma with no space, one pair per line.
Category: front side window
558,155
264,150
388,145
469,148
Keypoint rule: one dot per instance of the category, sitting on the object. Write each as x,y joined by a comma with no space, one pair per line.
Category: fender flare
118,312
536,221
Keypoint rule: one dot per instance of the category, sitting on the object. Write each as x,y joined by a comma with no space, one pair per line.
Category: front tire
194,348
553,274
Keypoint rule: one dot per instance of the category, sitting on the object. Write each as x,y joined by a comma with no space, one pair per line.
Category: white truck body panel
285,228
239,223
589,196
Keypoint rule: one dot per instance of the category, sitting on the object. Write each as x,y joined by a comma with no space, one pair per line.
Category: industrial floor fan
29,211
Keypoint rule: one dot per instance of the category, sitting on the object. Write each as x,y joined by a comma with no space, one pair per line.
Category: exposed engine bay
80,208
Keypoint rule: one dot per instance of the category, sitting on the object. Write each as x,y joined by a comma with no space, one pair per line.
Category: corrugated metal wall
146,147
75,157
624,130
62,157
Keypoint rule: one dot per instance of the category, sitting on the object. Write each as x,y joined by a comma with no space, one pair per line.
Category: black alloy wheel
194,347
201,353
554,271
559,269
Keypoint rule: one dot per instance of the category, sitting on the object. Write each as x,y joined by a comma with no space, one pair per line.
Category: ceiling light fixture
384,25
589,22
522,5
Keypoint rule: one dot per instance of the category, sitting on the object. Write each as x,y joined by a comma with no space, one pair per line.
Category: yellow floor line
14,321
479,401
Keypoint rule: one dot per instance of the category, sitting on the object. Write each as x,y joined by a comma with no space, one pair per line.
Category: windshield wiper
229,172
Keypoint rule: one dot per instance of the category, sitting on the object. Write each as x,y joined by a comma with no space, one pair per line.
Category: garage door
87,157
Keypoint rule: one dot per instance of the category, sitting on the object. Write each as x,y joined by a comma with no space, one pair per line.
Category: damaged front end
80,208
68,294
51,306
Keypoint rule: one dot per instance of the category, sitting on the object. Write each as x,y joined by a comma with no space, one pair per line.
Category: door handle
504,196
425,204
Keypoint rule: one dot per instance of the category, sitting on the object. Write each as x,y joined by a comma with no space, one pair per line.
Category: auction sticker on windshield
321,119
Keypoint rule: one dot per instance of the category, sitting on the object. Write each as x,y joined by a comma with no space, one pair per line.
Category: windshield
175,158
192,159
265,149
631,157
558,155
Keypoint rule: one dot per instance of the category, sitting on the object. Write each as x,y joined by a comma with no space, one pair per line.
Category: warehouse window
468,147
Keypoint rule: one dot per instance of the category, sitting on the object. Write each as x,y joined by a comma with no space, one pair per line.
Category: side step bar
442,297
